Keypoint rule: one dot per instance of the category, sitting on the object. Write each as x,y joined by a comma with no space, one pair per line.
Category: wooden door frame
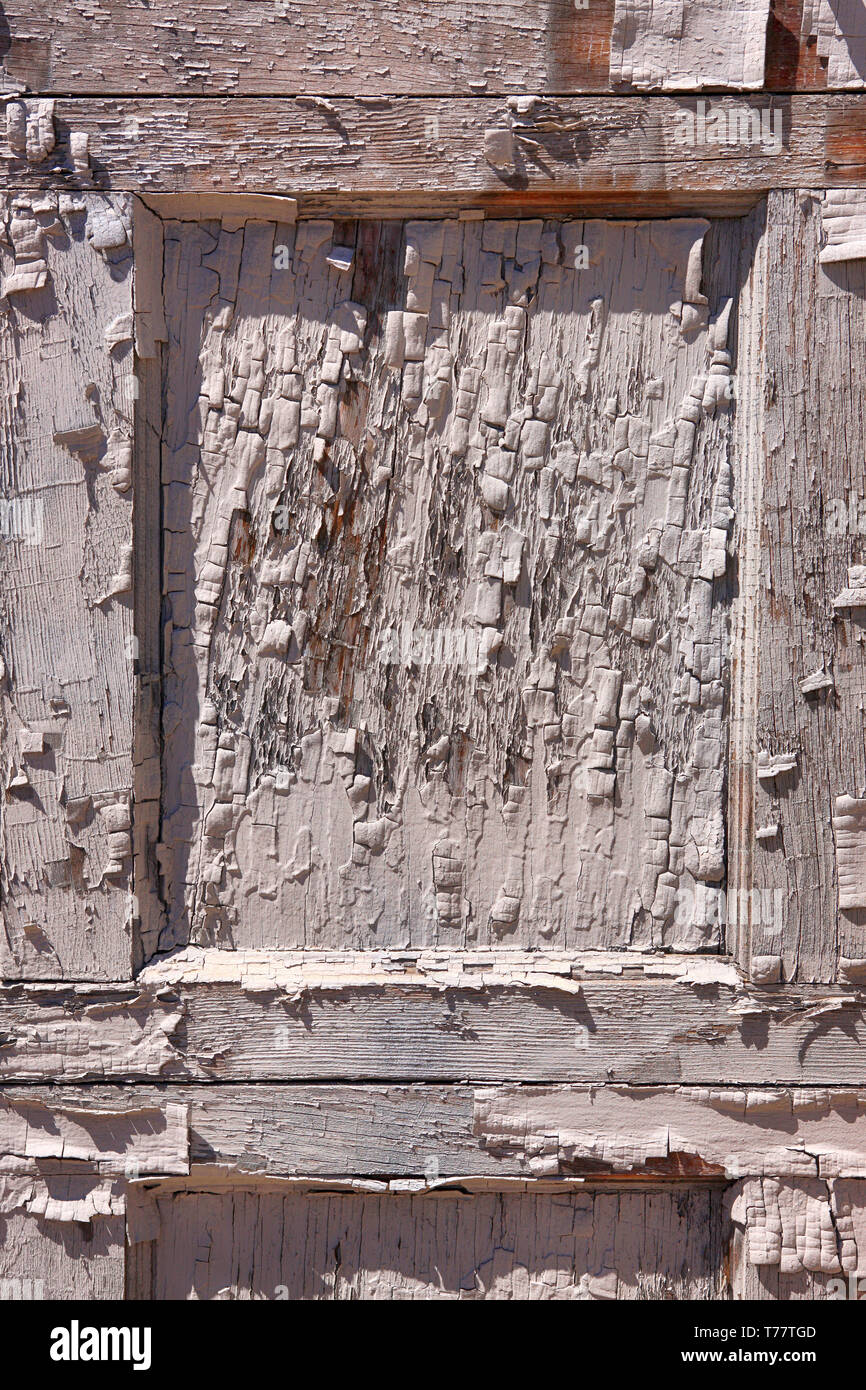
524,1053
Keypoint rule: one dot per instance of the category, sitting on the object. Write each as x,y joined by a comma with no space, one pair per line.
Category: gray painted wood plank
430,1133
640,1030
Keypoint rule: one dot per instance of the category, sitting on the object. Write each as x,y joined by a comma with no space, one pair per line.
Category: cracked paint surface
66,631
447,510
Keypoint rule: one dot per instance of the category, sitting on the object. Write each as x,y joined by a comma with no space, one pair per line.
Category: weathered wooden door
434,817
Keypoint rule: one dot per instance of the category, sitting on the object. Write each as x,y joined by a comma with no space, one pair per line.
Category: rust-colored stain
686,1165
243,540
675,1165
792,63
345,551
577,44
845,139
627,197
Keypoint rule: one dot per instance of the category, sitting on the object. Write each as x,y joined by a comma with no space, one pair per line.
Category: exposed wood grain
503,202
262,47
431,1133
365,150
692,1026
623,1031
444,47
265,1244
296,1129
